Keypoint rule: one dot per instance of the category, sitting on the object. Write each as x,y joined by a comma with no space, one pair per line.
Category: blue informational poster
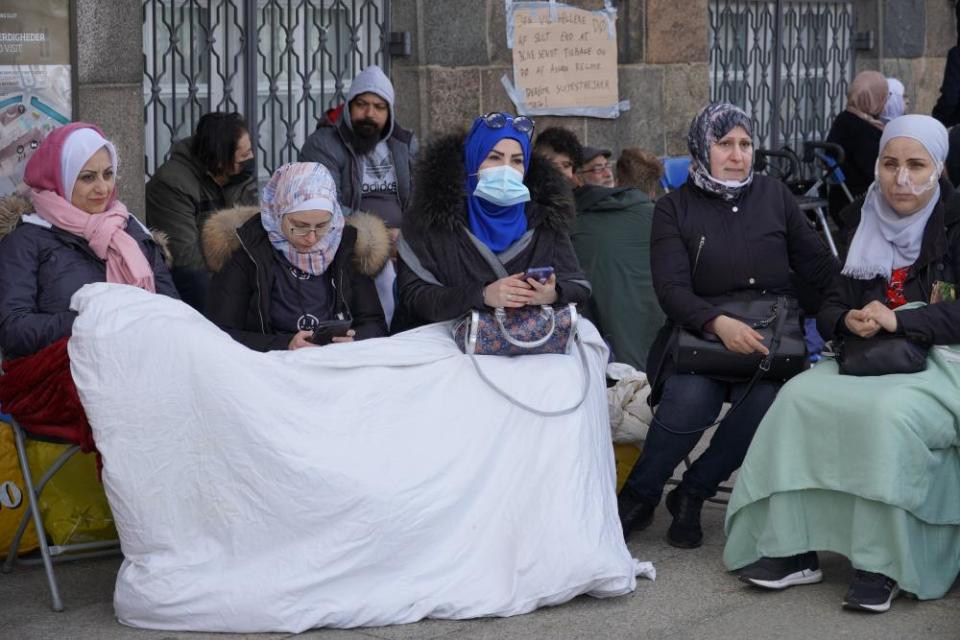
35,80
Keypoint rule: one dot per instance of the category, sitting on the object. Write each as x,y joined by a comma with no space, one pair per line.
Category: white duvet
372,483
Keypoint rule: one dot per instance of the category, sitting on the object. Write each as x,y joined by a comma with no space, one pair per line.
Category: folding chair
49,554
675,170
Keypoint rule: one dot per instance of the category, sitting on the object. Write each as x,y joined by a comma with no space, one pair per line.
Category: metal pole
250,70
777,59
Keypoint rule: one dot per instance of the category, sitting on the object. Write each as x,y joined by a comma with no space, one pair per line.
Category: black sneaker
870,592
684,531
780,573
635,515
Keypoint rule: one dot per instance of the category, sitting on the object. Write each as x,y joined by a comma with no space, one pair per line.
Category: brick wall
460,54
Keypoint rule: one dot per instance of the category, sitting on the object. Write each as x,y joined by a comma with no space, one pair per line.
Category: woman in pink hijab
70,231
858,129
73,232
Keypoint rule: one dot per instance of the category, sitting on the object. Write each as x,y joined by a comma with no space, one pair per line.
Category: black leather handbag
777,318
882,354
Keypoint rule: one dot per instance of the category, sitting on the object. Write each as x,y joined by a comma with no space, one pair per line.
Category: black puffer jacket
704,248
241,256
41,267
939,259
436,239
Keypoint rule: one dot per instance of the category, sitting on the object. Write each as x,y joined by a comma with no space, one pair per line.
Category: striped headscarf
302,186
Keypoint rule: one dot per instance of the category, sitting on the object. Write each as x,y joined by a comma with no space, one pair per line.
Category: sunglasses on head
498,120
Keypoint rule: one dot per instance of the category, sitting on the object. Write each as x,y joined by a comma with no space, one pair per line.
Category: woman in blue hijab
485,211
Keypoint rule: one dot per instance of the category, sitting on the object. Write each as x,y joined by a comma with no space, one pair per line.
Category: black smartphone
540,274
327,330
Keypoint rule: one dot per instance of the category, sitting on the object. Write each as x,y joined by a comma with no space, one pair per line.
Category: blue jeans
688,403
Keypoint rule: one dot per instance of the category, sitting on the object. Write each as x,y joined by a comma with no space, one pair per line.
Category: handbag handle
547,414
501,314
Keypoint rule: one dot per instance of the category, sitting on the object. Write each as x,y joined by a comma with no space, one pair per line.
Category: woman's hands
301,339
514,292
346,338
867,322
738,336
304,339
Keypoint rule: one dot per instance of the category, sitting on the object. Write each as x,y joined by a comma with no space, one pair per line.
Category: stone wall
110,92
460,53
915,39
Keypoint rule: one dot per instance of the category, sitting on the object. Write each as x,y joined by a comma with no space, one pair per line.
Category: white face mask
733,184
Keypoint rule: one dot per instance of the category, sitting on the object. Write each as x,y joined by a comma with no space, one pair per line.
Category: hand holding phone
327,330
540,274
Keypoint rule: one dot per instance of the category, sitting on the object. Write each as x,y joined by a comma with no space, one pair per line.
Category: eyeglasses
319,229
598,170
498,120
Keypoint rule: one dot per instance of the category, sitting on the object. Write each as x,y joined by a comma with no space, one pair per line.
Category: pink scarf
106,234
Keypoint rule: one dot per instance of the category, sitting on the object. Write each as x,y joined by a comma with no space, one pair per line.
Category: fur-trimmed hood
439,192
15,206
220,238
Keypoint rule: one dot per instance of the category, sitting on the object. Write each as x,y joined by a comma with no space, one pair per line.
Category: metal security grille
787,63
281,63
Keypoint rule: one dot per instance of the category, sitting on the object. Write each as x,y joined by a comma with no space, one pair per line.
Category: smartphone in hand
540,274
327,330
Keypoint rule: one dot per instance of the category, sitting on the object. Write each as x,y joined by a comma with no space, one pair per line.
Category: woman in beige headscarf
858,129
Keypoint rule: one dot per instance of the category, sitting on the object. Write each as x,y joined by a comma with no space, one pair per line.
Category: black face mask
248,167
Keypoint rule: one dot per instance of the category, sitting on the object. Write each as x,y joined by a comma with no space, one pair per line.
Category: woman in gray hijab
869,467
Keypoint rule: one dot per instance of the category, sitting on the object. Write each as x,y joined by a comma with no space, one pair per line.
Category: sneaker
684,531
870,592
635,515
780,573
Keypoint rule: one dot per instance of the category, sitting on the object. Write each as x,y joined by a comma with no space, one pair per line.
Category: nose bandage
905,179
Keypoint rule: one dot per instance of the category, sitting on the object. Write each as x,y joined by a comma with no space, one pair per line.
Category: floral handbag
524,331
517,332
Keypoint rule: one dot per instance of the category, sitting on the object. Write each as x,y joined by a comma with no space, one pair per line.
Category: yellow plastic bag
73,504
626,456
13,496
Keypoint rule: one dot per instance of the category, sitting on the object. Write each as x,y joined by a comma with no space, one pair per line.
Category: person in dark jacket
857,129
479,196
947,109
72,232
371,159
210,171
278,276
876,457
725,232
612,242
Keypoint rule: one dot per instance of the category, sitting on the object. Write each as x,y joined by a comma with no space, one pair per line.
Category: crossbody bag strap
762,368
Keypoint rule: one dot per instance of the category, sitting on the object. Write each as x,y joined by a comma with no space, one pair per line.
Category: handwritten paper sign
564,58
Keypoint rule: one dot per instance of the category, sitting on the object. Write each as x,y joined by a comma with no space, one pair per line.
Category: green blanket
867,467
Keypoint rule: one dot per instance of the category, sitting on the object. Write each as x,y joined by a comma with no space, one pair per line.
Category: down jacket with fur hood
441,272
41,267
241,257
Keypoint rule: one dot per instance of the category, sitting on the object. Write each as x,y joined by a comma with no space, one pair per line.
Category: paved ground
693,597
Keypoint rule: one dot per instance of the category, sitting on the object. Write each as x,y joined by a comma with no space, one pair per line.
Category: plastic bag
73,504
13,496
625,456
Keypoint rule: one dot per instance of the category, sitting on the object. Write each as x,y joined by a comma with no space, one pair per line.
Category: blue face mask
502,186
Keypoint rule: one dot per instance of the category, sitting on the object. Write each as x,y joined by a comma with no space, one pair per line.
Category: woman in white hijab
869,467
896,104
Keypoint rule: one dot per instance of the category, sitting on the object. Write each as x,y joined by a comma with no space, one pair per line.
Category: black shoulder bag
777,318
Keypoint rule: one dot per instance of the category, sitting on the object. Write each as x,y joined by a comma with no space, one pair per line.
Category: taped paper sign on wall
564,60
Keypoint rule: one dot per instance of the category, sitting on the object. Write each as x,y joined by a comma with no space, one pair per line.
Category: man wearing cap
370,158
596,168
612,242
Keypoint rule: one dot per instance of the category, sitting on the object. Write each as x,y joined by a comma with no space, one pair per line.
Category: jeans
688,403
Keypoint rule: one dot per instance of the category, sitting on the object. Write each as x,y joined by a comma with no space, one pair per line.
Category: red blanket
38,391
